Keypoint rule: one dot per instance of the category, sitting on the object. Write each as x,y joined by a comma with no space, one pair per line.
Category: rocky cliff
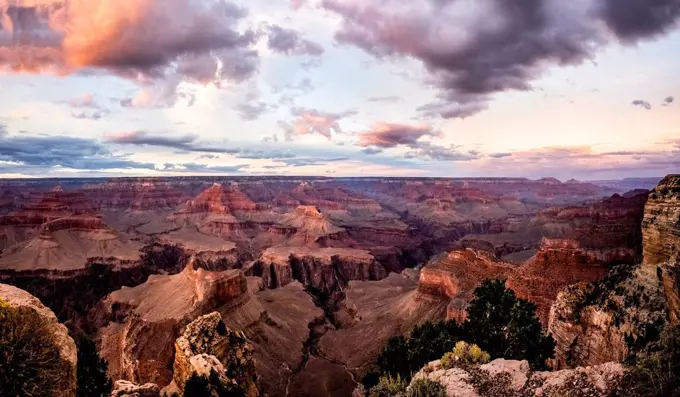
661,236
33,312
607,320
208,348
144,321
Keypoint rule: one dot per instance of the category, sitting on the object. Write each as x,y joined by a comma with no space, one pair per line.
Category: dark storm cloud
41,152
642,104
473,51
632,20
290,42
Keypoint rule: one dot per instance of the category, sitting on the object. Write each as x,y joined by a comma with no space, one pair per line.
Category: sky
584,89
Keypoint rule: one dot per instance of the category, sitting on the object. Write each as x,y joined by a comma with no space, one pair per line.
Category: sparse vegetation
425,388
499,325
464,355
30,364
389,386
657,373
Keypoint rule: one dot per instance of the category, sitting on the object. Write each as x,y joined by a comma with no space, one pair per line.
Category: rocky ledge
514,378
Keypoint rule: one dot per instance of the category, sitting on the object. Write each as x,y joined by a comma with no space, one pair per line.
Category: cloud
91,115
669,100
391,98
36,154
428,151
203,168
85,107
642,104
371,150
290,42
254,110
313,121
475,49
389,135
144,40
190,143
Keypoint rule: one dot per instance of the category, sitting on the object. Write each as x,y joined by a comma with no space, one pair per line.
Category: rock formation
208,348
146,320
508,377
609,319
122,388
661,236
22,300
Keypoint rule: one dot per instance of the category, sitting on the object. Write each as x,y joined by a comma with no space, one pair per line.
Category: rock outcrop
661,239
208,348
327,270
514,378
122,388
146,320
607,320
22,300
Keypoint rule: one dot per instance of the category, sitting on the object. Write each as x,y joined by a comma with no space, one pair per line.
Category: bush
404,356
30,363
389,386
657,374
93,380
465,355
426,388
498,323
507,327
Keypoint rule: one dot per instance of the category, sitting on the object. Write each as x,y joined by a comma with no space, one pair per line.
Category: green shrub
464,355
30,363
389,386
506,326
426,388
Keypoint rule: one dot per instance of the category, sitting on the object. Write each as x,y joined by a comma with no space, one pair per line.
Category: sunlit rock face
142,323
661,240
591,322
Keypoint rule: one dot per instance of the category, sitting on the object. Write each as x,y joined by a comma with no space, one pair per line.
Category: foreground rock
127,389
22,300
514,378
209,349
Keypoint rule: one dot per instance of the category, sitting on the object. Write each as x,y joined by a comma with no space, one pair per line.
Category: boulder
22,300
124,388
208,347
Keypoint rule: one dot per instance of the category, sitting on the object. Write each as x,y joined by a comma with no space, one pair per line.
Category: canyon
318,273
